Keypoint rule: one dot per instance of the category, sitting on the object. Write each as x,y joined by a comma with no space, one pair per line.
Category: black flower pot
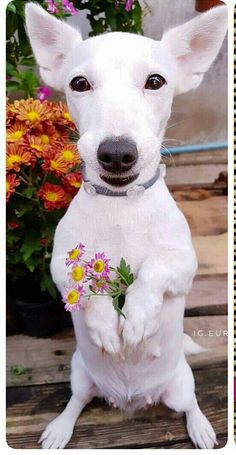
40,318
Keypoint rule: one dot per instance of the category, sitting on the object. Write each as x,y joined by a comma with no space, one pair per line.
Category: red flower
72,182
11,182
13,224
53,196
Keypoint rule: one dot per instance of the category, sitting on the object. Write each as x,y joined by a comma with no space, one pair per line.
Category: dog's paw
200,430
142,317
103,323
57,434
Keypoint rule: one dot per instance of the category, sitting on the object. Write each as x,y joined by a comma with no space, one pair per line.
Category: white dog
119,89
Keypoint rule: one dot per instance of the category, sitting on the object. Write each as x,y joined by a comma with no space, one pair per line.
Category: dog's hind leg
179,395
58,433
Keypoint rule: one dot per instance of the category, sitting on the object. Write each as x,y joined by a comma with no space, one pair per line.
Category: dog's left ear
195,45
51,40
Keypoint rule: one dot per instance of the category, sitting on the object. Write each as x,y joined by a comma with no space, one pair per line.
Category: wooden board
212,254
206,216
102,427
48,360
193,173
207,296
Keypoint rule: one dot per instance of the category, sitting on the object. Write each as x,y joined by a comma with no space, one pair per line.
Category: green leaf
11,7
46,284
117,305
124,271
30,245
12,86
18,370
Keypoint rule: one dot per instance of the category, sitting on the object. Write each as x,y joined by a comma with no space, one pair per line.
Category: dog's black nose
117,155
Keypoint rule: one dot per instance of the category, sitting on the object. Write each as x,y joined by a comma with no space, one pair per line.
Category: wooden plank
211,253
207,157
31,408
207,296
206,216
48,360
194,173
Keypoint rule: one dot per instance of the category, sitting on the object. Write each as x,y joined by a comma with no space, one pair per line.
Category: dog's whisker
172,161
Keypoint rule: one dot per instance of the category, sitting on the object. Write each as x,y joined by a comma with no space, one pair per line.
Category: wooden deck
35,397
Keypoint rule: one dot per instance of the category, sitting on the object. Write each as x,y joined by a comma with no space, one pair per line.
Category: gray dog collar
135,190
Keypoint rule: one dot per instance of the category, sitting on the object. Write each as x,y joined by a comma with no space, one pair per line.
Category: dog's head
120,86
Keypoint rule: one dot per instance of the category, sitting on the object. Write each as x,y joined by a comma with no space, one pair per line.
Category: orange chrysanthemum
54,163
36,146
69,153
10,115
72,182
11,183
62,115
16,132
53,196
31,111
16,156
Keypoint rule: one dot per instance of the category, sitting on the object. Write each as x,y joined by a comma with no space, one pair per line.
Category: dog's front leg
103,324
170,270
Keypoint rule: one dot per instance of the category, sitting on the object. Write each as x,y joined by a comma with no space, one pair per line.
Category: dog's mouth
119,181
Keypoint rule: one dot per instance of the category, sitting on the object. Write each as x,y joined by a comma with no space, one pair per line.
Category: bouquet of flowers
95,276
42,176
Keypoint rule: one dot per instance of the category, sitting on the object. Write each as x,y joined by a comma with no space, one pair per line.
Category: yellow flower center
16,135
99,266
7,186
100,283
73,297
13,159
68,155
44,139
36,147
77,273
50,196
75,184
67,116
54,164
74,253
33,116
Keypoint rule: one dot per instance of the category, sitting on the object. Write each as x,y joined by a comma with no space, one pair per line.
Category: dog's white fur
144,360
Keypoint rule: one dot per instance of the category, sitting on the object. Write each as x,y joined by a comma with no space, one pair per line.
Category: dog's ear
51,40
195,45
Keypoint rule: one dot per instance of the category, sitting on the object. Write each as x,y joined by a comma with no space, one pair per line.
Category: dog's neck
133,191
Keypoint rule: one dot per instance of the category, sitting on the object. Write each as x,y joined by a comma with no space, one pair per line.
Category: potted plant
42,176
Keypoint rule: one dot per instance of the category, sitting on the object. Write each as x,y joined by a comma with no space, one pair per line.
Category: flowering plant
42,176
96,276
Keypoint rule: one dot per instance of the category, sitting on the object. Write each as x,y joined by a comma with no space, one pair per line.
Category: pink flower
100,285
99,266
52,7
69,7
75,255
43,93
128,5
72,297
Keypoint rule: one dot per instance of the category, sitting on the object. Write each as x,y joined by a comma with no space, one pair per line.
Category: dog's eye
155,82
80,84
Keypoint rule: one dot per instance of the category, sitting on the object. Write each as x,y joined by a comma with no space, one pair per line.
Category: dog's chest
129,235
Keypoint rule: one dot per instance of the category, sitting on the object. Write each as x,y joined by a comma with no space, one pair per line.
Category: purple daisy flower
72,297
75,255
52,7
100,285
68,7
99,266
43,93
128,5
